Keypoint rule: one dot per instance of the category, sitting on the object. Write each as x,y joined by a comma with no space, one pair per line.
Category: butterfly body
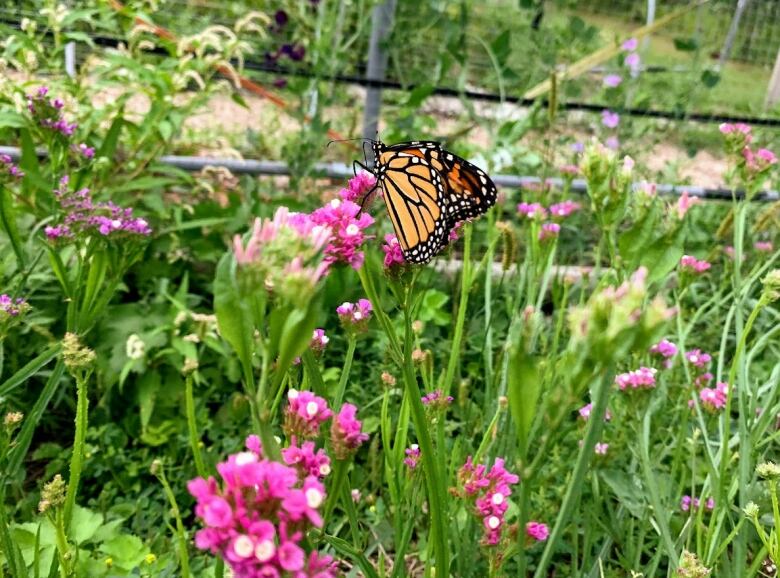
428,191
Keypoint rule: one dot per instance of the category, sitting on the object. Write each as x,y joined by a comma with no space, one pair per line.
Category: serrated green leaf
524,387
84,524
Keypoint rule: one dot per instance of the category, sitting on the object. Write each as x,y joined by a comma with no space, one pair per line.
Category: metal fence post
649,21
731,36
773,90
381,23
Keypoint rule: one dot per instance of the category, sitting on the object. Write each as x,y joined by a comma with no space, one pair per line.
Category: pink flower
454,231
763,246
436,399
87,151
346,433
664,348
564,209
394,255
714,399
532,210
12,307
694,265
684,203
688,503
569,171
612,80
347,226
630,45
307,459
698,358
304,414
642,378
355,316
729,251
703,378
537,530
549,231
412,456
612,143
586,410
257,516
728,128
359,186
319,341
632,62
601,449
489,490
610,119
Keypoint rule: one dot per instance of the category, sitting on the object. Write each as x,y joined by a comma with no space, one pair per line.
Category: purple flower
577,147
612,80
7,165
87,151
564,209
610,119
10,307
412,456
281,18
489,490
437,400
633,62
630,45
698,358
307,459
537,531
318,341
612,143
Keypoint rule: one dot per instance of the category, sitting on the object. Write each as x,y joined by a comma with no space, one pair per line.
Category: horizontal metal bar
342,171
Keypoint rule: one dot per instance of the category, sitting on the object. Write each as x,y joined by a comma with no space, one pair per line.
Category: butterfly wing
470,191
415,197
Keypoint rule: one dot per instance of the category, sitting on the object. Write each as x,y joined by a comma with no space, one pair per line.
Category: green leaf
84,524
524,387
710,78
233,319
295,338
632,243
29,370
628,492
126,550
236,97
502,46
23,440
108,148
33,180
663,255
686,44
148,386
10,119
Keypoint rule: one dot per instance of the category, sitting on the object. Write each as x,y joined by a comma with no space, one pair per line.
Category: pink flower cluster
490,490
684,204
642,378
694,265
412,458
355,316
436,399
304,415
763,246
612,80
11,307
610,119
48,112
85,216
532,210
736,128
586,410
87,151
319,341
549,231
698,358
358,187
713,399
601,449
346,433
347,225
688,503
664,348
306,458
537,531
257,517
759,161
394,255
8,167
564,208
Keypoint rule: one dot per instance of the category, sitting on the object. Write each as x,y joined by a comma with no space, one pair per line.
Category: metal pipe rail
336,170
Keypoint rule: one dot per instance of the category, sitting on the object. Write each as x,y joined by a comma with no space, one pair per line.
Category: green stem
380,315
345,373
592,433
465,288
77,457
62,542
437,491
189,400
181,532
337,480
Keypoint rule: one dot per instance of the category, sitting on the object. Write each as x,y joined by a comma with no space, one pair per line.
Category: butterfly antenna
330,142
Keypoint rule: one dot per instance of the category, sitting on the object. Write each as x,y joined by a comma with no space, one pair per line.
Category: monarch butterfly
427,191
